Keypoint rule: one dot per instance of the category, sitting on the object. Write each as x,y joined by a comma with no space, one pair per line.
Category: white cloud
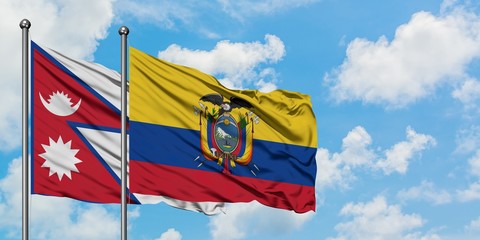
11,197
425,191
474,163
471,231
470,194
468,93
242,220
398,157
92,222
134,213
72,27
170,234
69,26
468,140
337,168
411,66
263,86
236,62
420,236
331,171
448,5
377,220
357,152
164,13
473,226
243,9
169,14
52,217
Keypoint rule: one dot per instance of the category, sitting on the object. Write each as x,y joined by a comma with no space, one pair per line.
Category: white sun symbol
60,158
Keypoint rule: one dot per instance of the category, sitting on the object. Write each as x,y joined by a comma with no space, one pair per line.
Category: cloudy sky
395,88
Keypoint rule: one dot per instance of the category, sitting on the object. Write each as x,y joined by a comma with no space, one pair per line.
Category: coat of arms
226,131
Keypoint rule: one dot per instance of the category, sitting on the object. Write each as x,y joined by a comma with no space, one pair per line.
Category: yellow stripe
164,93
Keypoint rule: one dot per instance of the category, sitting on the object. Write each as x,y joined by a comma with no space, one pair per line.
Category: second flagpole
123,31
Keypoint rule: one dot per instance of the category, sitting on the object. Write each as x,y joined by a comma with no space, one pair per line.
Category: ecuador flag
194,140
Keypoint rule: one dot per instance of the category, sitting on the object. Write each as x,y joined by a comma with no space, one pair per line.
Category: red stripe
201,186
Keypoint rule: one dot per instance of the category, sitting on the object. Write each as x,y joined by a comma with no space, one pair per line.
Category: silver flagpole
25,26
123,31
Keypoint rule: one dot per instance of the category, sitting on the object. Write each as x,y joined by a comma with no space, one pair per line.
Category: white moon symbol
60,106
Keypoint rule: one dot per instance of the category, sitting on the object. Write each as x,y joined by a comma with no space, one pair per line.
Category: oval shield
226,133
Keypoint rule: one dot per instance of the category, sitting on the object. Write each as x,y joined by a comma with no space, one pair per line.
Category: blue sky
394,86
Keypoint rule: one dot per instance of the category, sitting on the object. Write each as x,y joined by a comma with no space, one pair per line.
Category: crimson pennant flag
75,128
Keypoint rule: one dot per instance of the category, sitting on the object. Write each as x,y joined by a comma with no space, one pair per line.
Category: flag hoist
25,26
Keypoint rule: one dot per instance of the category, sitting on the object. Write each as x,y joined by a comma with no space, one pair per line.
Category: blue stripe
32,122
180,147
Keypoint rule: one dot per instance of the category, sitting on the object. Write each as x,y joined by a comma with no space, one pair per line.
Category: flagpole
25,26
123,31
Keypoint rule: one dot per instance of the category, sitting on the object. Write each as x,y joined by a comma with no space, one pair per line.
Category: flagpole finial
25,24
123,30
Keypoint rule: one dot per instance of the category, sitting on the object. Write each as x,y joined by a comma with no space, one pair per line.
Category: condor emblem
226,132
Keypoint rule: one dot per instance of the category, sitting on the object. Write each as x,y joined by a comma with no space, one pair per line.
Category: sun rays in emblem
60,158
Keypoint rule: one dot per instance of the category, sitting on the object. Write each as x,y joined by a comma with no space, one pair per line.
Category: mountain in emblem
222,134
